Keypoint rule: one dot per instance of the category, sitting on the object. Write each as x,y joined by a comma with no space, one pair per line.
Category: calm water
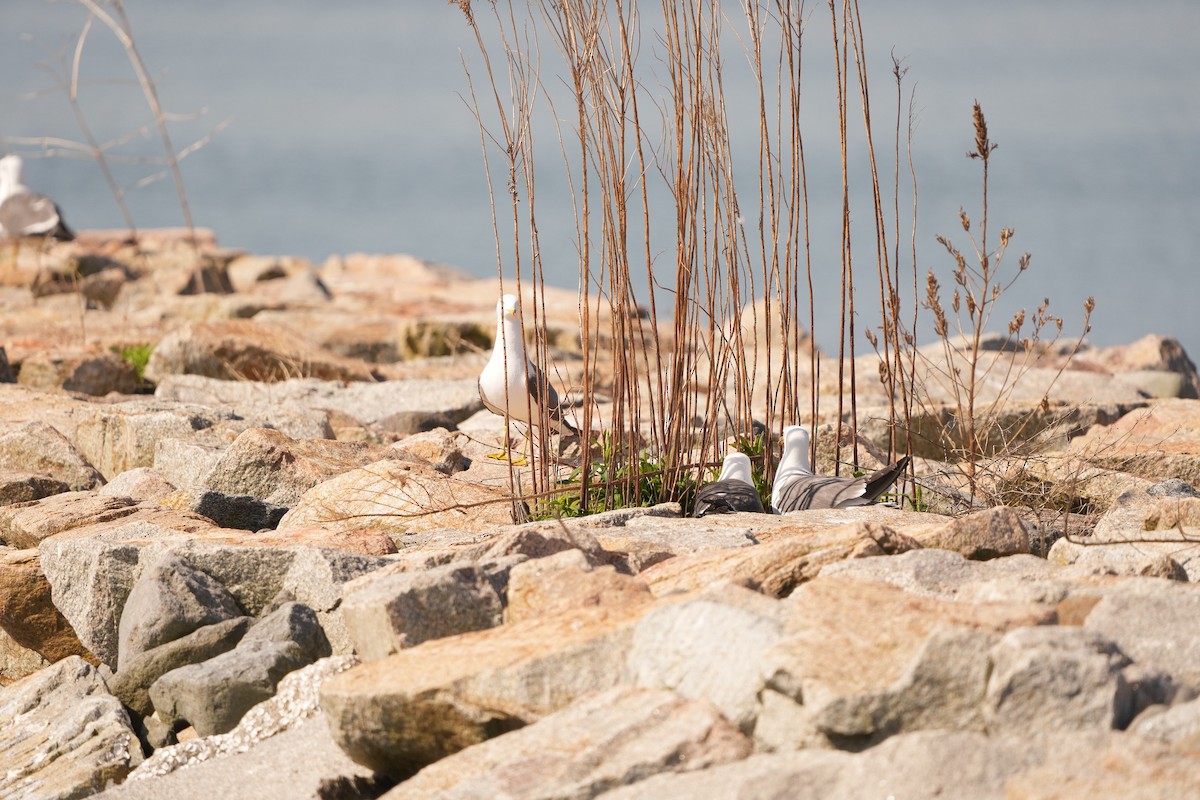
347,132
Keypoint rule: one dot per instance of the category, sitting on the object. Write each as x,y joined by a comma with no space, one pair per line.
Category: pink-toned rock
28,614
1158,442
546,586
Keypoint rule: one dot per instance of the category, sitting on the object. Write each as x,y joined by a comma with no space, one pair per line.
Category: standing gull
732,491
26,213
513,386
797,488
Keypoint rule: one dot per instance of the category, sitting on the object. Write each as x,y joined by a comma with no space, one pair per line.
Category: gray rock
170,600
707,648
964,765
1156,623
40,448
386,611
121,436
291,623
1054,680
606,740
131,685
187,462
90,580
1178,723
274,467
295,701
943,573
368,403
301,762
214,695
62,735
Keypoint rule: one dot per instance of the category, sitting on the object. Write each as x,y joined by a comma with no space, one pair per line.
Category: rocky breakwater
283,567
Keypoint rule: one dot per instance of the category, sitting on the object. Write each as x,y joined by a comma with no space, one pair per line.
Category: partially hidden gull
733,490
513,386
24,213
797,488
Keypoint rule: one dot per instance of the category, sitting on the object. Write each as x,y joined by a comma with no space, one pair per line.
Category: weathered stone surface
1180,723
700,648
300,762
1148,531
402,497
1053,680
644,540
1155,622
25,487
87,371
981,535
27,524
949,575
777,567
63,735
17,661
371,403
426,702
131,685
28,614
295,702
388,611
965,765
241,511
186,463
857,675
439,447
121,436
1113,767
143,484
599,742
545,586
1158,442
247,350
272,466
170,599
39,448
214,695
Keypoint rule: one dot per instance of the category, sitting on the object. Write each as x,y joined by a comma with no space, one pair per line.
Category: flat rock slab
605,740
413,708
777,567
921,764
369,403
1155,622
856,673
63,735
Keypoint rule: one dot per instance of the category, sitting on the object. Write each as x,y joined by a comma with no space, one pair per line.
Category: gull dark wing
726,497
537,383
881,480
30,214
820,491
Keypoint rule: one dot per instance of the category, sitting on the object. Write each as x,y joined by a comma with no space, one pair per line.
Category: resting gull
732,491
513,386
26,213
797,488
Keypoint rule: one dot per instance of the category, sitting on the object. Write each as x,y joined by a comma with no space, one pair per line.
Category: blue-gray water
348,133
